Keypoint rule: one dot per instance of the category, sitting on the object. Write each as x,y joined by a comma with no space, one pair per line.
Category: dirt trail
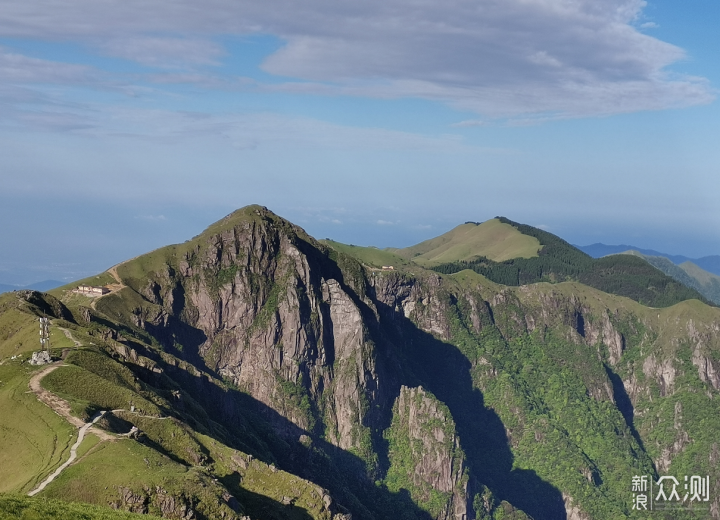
114,274
73,454
61,407
141,415
114,287
57,404
69,336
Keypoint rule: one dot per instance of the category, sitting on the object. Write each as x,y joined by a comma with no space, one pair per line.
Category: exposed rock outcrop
425,448
41,357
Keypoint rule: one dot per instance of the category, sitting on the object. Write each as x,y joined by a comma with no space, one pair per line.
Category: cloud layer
497,58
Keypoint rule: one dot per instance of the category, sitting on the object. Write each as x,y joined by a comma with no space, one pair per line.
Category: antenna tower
45,334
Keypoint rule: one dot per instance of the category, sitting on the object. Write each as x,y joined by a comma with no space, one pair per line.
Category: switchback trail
61,407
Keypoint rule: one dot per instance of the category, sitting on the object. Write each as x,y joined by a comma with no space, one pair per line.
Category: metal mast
45,334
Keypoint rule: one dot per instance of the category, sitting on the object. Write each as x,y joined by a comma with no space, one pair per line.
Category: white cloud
250,131
17,69
499,58
165,52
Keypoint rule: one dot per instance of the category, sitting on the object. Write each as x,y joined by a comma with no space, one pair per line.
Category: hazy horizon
28,275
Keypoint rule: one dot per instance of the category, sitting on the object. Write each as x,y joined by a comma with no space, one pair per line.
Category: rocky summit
255,372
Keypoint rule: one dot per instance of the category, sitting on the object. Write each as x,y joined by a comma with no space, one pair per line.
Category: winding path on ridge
62,408
113,272
73,454
57,404
114,287
69,336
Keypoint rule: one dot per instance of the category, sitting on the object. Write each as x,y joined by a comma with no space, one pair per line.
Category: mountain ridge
288,371
709,263
558,260
686,273
45,285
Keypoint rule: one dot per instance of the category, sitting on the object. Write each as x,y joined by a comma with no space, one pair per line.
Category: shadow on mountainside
242,422
624,405
444,370
261,506
421,359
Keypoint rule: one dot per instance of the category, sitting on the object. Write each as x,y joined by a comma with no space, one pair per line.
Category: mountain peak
492,239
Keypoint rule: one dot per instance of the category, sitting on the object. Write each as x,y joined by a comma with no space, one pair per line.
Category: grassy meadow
25,508
492,239
34,439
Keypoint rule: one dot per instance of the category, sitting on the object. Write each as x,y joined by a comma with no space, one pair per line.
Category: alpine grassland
494,239
709,282
19,328
34,439
89,393
370,256
14,507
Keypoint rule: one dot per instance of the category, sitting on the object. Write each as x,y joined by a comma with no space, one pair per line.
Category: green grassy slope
176,463
19,507
33,439
709,282
145,472
493,239
19,328
370,256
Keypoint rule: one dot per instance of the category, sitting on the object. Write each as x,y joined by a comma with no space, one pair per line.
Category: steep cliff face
552,387
268,309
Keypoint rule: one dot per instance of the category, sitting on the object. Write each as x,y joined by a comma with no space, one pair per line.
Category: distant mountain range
701,274
43,286
708,263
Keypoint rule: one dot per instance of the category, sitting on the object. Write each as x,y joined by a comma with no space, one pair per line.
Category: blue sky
126,126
